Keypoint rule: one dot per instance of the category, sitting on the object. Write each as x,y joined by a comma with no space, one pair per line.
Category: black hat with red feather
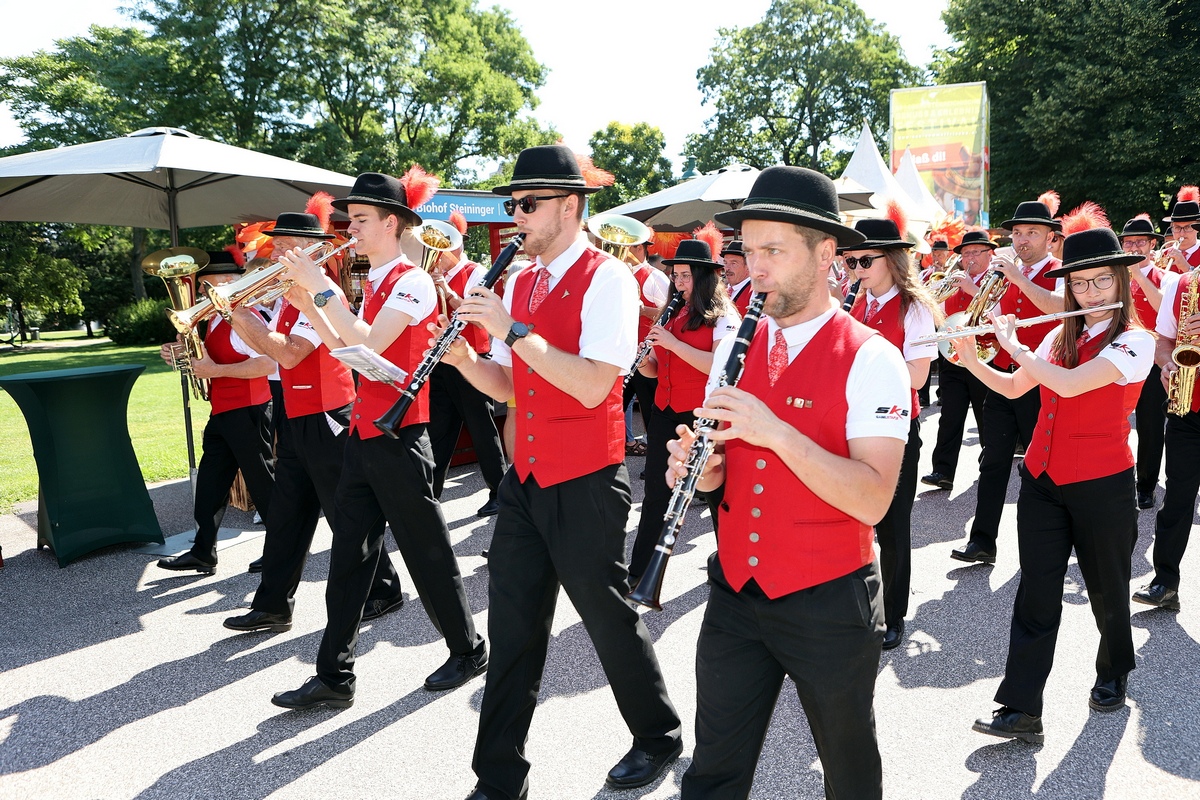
312,224
398,195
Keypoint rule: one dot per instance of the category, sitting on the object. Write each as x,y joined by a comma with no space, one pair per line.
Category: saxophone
1186,354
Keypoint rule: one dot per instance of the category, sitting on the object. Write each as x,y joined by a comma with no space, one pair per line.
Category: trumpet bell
438,235
618,233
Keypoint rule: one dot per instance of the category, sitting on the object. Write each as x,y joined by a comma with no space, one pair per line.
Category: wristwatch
1022,349
519,330
321,298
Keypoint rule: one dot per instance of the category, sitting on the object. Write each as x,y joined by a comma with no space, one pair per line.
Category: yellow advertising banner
946,128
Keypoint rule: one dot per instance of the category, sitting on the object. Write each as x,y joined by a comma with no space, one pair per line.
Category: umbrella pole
172,194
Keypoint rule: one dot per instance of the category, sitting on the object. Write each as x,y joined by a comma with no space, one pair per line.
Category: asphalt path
117,679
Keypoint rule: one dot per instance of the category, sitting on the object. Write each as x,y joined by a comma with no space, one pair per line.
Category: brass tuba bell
176,265
618,233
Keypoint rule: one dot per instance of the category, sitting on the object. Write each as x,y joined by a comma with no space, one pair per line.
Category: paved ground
118,681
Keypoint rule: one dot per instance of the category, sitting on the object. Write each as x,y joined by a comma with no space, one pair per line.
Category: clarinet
851,295
650,586
644,350
389,423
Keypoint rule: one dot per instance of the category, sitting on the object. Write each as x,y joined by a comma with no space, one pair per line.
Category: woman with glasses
681,360
1077,478
892,300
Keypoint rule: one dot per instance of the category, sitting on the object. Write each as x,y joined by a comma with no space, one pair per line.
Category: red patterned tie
368,292
540,289
777,359
1082,340
872,310
1027,270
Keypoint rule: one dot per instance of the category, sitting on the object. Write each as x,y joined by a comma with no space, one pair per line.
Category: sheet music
369,364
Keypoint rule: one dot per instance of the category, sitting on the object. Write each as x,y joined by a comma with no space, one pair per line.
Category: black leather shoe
374,609
186,562
939,480
1157,595
478,794
893,636
458,670
255,565
973,553
1108,695
639,768
489,509
259,621
313,694
1008,723
1145,500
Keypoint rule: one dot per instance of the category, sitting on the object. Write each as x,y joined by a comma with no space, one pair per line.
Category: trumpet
438,237
266,284
1160,257
946,335
618,233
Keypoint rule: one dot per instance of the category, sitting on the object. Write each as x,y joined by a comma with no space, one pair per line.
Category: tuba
1186,354
438,237
175,265
617,234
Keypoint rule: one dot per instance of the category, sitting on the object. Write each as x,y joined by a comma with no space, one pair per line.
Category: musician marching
654,287
1183,253
813,438
1077,478
737,275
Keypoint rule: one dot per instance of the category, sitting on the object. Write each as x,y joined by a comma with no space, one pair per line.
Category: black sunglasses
860,263
528,203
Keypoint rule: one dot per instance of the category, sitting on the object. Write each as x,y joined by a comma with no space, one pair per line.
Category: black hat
797,195
296,224
1184,211
377,189
693,252
1095,247
551,166
882,234
939,244
734,248
221,262
1139,227
1033,212
975,237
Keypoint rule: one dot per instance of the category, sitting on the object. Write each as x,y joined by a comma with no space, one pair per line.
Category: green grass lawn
155,415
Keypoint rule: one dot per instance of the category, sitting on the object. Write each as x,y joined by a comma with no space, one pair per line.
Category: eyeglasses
1101,282
528,203
1177,227
681,276
860,263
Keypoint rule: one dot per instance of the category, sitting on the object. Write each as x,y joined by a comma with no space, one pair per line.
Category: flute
979,330
644,350
646,593
389,423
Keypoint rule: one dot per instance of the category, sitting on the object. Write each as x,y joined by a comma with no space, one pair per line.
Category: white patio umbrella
688,205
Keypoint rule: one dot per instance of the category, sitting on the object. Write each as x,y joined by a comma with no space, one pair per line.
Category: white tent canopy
910,180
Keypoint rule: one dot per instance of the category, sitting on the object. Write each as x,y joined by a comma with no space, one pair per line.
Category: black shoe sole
273,627
658,773
957,556
445,687
1030,737
1170,606
1105,708
317,704
201,570
387,610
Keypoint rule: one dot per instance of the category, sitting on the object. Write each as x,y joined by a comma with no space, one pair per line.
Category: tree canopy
634,155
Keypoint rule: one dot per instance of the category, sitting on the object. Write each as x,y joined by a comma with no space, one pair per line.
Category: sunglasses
1102,282
860,263
528,203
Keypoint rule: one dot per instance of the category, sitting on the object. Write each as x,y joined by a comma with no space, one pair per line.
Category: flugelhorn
266,284
438,237
946,335
618,233
174,265
991,289
941,283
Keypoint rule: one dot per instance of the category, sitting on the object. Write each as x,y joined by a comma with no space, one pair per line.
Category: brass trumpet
1160,257
266,284
618,233
173,265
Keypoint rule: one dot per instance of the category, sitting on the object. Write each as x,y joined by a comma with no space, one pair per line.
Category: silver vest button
754,537
761,464
758,489
753,561
754,512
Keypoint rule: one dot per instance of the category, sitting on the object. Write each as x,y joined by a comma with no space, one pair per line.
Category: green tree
1085,97
33,277
787,89
634,155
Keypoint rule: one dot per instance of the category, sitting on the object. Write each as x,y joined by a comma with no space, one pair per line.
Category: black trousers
308,466
1173,525
1098,518
233,440
452,402
277,415
827,638
644,388
389,481
572,535
959,391
1005,422
1151,418
658,496
894,533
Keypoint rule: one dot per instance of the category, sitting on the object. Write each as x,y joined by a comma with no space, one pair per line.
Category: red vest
680,385
959,300
318,383
375,398
1194,258
773,528
558,439
1180,288
644,323
226,394
1083,437
476,336
1146,313
1014,302
890,323
742,299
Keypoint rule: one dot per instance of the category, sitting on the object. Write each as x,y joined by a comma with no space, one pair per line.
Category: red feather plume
593,175
1086,216
1188,193
419,186
949,229
1144,216
1050,200
458,221
895,212
239,257
321,206
710,236
666,243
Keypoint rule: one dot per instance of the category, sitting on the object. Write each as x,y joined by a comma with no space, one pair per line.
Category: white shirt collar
1192,249
888,295
377,273
565,260
1036,269
1098,329
739,286
803,333
462,263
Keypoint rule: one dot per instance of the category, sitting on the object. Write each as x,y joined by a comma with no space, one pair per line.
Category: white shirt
476,278
918,322
302,329
234,340
726,325
656,287
609,313
1132,352
1167,322
414,293
878,393
733,292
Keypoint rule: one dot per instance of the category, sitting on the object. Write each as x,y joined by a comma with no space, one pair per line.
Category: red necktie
1027,270
777,359
1082,340
368,292
540,289
872,310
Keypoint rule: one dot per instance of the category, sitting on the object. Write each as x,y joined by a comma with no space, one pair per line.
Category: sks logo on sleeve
406,297
1124,348
891,412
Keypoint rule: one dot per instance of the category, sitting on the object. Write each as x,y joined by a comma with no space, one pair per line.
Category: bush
142,322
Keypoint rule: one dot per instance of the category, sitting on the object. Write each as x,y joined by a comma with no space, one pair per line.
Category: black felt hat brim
988,243
845,235
1052,224
692,262
1106,260
545,183
879,244
401,210
1158,237
307,234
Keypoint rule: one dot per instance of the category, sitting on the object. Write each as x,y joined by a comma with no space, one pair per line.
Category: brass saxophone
1186,354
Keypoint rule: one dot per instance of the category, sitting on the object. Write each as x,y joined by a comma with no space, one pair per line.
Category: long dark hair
909,285
710,299
1065,349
